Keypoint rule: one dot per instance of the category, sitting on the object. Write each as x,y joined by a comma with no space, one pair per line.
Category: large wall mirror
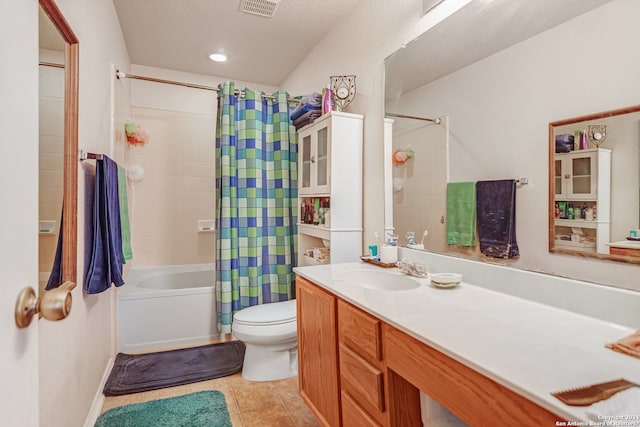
594,185
58,147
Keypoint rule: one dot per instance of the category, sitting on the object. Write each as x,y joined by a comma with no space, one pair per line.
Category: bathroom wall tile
51,126
199,169
51,107
204,212
51,143
50,178
178,188
198,153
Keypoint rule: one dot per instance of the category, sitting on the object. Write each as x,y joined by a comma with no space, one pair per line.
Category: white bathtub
167,306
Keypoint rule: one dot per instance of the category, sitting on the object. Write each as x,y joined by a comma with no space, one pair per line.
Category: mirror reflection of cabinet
314,152
576,175
602,181
582,202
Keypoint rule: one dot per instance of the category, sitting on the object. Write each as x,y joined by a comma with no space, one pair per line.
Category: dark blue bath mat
133,373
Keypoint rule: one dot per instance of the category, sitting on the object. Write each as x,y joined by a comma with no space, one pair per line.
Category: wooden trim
625,251
53,12
552,188
601,115
70,197
70,200
474,398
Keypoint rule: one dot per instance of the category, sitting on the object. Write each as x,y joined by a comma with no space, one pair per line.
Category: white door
18,208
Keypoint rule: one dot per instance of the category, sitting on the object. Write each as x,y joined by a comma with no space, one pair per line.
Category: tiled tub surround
529,347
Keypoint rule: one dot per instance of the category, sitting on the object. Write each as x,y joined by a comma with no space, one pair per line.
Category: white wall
75,352
358,45
506,137
500,107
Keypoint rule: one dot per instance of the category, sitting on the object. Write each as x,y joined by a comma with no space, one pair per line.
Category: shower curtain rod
51,64
437,120
123,75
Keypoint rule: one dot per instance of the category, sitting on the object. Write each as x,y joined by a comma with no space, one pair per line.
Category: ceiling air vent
259,7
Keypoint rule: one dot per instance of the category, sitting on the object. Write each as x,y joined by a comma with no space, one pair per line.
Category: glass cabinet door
305,170
322,160
582,176
559,180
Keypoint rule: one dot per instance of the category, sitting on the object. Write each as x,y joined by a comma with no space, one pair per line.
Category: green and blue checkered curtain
256,201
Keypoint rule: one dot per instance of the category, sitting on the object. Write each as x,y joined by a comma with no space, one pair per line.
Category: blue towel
306,118
497,218
105,265
55,277
310,102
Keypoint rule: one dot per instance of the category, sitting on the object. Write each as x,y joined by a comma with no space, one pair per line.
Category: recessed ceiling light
218,57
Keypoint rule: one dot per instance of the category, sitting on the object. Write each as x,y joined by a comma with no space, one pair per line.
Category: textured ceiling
181,34
478,30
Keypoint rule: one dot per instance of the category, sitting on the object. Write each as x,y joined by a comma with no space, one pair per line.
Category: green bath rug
201,409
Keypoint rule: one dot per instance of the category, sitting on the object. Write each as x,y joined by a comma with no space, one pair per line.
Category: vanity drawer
362,380
360,331
353,415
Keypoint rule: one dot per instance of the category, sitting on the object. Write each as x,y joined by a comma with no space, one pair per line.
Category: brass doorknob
53,305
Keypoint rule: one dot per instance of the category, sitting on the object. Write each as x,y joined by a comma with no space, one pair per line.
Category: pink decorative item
136,135
401,155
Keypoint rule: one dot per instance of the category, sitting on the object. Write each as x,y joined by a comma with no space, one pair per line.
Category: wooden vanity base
474,398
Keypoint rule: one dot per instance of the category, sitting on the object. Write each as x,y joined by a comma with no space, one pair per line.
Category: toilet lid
268,314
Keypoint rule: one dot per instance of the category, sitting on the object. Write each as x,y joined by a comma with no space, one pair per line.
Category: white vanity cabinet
583,180
330,176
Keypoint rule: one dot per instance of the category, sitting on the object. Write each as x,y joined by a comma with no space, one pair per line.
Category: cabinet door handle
567,176
313,159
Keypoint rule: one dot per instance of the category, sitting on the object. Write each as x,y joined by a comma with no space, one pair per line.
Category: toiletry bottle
576,140
583,140
327,100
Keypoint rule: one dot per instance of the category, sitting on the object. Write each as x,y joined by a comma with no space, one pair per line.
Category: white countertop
530,348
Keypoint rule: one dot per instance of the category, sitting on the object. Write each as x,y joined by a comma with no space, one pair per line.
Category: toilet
270,336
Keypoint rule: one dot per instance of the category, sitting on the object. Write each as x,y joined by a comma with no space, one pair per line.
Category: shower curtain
256,201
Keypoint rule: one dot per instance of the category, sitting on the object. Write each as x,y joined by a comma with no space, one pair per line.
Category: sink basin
380,280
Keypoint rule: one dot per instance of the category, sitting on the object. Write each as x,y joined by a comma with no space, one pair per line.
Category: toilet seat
277,313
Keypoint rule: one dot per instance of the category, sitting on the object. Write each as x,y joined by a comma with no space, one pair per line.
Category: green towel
124,214
461,213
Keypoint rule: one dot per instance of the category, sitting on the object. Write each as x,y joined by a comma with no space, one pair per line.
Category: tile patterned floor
250,404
